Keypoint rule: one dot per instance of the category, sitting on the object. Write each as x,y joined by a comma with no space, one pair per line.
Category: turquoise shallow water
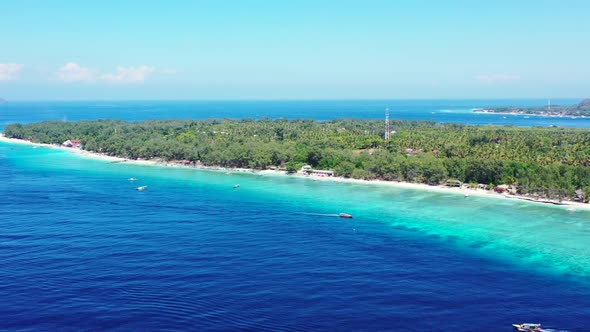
191,252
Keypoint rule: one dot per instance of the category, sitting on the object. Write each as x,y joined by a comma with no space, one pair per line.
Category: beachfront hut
307,170
579,195
75,143
321,172
453,183
501,188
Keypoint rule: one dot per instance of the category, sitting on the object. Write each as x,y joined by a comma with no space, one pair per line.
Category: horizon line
7,101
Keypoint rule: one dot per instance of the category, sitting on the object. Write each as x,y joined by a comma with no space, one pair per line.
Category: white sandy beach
404,185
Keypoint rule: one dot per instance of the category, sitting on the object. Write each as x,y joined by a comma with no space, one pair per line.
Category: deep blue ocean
82,250
445,110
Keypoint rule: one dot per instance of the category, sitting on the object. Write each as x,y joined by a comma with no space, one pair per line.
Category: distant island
581,109
538,163
3,101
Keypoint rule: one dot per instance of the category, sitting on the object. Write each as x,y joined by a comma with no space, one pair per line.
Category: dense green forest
580,109
550,162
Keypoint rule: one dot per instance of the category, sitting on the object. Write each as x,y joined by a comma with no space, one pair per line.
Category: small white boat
141,188
528,327
132,179
236,186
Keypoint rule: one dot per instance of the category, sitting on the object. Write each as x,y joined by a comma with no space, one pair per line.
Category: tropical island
539,163
580,109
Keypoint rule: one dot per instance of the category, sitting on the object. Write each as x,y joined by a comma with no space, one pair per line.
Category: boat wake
322,214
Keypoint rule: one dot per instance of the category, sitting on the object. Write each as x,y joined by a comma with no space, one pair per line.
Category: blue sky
293,49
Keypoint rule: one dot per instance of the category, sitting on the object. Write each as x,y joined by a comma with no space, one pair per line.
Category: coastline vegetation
580,109
544,162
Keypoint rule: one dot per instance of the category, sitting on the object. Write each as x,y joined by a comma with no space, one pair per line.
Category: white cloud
9,70
493,78
129,74
72,72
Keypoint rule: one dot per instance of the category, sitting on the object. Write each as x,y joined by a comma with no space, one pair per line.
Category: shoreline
395,184
530,114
